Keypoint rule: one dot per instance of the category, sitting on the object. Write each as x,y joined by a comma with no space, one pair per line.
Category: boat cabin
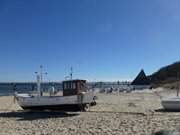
74,87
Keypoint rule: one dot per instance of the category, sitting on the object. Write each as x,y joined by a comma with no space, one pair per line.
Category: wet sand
137,113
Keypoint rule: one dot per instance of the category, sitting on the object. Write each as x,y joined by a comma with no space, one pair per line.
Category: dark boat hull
69,107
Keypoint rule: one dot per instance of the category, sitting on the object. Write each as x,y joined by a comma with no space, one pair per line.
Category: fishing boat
75,97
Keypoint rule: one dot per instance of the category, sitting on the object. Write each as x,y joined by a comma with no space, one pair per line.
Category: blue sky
102,39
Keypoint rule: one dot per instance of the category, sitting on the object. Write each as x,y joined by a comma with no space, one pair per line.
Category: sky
103,40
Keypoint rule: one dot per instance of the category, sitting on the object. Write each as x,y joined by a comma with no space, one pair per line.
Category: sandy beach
137,113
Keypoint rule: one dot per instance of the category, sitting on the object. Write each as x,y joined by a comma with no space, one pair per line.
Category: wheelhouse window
74,86
70,85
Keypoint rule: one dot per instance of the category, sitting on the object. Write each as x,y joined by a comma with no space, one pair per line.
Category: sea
8,89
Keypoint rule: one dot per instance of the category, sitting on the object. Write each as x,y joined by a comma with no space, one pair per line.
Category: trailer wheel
86,107
93,103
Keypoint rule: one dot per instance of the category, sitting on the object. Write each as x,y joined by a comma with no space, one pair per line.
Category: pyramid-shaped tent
141,79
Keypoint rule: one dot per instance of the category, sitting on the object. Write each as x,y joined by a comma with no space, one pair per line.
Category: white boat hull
172,103
54,102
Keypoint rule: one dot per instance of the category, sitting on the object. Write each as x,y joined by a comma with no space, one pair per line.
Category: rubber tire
86,107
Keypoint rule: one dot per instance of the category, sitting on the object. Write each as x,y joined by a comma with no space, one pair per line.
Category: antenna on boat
70,77
39,77
41,74
71,73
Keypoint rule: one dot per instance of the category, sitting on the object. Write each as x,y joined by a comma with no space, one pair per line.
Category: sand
137,113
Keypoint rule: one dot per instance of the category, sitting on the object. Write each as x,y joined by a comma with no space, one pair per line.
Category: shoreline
122,113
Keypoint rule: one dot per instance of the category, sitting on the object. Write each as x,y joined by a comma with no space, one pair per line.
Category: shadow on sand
36,115
167,111
164,132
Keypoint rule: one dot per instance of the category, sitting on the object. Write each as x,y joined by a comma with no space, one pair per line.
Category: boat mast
41,74
39,80
71,73
39,85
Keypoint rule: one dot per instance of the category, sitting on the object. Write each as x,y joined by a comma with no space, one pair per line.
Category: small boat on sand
171,103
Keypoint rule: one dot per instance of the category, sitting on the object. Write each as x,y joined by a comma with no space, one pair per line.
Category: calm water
8,88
